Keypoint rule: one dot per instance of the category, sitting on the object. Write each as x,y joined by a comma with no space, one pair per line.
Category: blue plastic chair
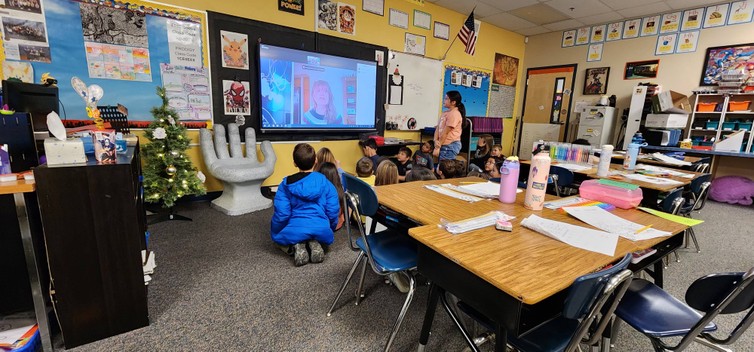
589,307
658,315
560,178
694,202
387,251
671,204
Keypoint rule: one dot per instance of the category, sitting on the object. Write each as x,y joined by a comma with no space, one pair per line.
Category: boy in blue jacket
306,210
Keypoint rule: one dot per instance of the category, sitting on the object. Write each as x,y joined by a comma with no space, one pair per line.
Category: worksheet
607,221
577,236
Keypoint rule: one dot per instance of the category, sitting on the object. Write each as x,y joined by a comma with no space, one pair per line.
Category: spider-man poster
236,98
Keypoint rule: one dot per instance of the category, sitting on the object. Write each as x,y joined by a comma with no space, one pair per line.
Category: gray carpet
220,284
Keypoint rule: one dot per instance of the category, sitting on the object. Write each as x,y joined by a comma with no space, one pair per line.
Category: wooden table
592,173
20,190
645,159
517,279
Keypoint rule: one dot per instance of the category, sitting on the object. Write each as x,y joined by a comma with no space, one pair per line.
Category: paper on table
574,167
477,222
454,194
607,221
674,218
577,236
652,179
666,159
663,170
482,189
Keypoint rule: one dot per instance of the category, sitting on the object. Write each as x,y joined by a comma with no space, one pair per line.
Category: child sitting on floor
364,170
306,210
387,174
403,162
423,157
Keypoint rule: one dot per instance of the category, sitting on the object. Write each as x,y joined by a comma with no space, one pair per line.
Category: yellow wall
678,72
372,29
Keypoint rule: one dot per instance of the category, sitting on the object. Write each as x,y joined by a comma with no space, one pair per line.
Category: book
641,255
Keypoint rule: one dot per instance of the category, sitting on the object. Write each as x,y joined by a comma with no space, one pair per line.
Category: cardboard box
671,102
731,144
666,121
69,151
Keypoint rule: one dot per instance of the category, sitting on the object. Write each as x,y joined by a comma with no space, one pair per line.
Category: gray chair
242,176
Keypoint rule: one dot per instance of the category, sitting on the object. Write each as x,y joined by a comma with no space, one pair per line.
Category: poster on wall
505,70
631,28
107,25
582,36
650,25
594,53
595,80
598,34
236,97
716,16
614,31
670,22
692,19
346,19
25,31
187,90
118,62
474,98
292,6
415,44
184,43
569,39
666,44
21,71
719,59
327,15
687,42
741,12
235,47
502,99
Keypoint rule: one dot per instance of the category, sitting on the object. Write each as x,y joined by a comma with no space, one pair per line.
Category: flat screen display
302,90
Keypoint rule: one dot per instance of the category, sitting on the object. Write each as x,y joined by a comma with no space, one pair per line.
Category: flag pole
454,40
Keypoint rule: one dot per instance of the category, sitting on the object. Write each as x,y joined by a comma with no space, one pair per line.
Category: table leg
429,315
501,338
40,309
658,273
459,325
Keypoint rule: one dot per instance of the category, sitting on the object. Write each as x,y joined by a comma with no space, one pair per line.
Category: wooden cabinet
716,116
94,224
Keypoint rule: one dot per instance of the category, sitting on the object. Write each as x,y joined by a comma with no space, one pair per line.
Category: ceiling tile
603,18
563,25
623,4
639,11
509,5
464,7
508,21
539,14
533,30
685,4
581,8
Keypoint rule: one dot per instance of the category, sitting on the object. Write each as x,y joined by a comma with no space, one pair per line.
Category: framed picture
641,69
734,57
422,19
376,7
415,44
442,30
398,19
595,80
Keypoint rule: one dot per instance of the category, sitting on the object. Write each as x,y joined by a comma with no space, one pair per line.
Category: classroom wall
372,29
678,72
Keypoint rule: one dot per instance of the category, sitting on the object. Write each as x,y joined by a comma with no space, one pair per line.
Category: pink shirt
452,119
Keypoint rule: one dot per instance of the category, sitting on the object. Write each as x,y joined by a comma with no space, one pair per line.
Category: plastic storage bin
621,197
34,344
738,105
706,107
729,126
710,125
744,125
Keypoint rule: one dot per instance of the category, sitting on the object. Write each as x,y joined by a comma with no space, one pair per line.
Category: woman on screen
323,109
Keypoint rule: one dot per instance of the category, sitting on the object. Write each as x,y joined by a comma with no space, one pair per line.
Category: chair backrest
672,202
588,296
701,199
367,199
726,293
701,167
561,177
696,184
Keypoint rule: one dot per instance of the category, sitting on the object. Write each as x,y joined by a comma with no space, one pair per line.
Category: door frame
520,123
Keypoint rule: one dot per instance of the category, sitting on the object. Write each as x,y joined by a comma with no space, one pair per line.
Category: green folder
674,218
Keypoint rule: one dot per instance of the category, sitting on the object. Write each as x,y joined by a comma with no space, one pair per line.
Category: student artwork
346,19
666,44
23,71
415,44
91,95
109,25
650,26
569,38
670,22
236,98
598,34
327,15
716,16
692,19
505,71
741,12
235,47
614,31
687,42
582,36
631,28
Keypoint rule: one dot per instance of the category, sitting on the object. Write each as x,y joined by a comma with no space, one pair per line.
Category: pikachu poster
235,48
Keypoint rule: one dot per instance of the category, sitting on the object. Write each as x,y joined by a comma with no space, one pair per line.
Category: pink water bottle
537,185
509,179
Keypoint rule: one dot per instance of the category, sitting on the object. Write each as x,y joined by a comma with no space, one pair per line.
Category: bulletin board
474,86
416,92
133,83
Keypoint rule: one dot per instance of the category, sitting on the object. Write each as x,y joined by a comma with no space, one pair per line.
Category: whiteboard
533,132
421,92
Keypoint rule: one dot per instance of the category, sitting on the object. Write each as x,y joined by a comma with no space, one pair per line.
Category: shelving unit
721,121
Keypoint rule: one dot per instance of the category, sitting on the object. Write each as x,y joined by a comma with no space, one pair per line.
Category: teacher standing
448,132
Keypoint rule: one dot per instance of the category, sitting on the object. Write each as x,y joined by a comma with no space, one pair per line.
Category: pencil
643,229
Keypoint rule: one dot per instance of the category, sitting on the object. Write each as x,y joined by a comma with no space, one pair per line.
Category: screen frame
300,130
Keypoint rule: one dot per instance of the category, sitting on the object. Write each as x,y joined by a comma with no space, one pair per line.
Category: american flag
467,34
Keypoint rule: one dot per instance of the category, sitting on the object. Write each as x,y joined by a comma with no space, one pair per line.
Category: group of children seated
308,203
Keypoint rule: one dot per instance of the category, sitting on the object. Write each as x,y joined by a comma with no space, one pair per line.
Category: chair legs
360,289
404,309
691,234
345,283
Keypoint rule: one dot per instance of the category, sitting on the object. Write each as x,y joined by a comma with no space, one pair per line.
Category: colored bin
706,107
738,105
744,125
729,126
710,125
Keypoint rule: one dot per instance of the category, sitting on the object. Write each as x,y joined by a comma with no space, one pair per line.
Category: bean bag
732,189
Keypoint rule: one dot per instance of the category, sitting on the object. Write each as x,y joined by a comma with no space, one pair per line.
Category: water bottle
603,168
537,185
629,163
509,179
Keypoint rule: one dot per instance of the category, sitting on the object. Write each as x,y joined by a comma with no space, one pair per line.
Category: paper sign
582,36
687,42
569,38
614,31
741,12
598,34
692,19
184,43
650,25
670,22
666,44
716,16
594,53
631,28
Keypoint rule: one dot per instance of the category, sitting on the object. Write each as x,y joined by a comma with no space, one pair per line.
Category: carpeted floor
220,284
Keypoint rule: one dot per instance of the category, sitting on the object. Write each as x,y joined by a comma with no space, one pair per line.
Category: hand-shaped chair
241,175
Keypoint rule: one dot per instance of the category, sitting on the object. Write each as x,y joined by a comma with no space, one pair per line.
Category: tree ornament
171,170
159,133
174,153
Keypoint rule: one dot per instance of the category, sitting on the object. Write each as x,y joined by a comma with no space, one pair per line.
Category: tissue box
69,151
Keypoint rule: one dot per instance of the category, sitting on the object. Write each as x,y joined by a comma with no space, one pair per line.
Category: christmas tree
168,172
